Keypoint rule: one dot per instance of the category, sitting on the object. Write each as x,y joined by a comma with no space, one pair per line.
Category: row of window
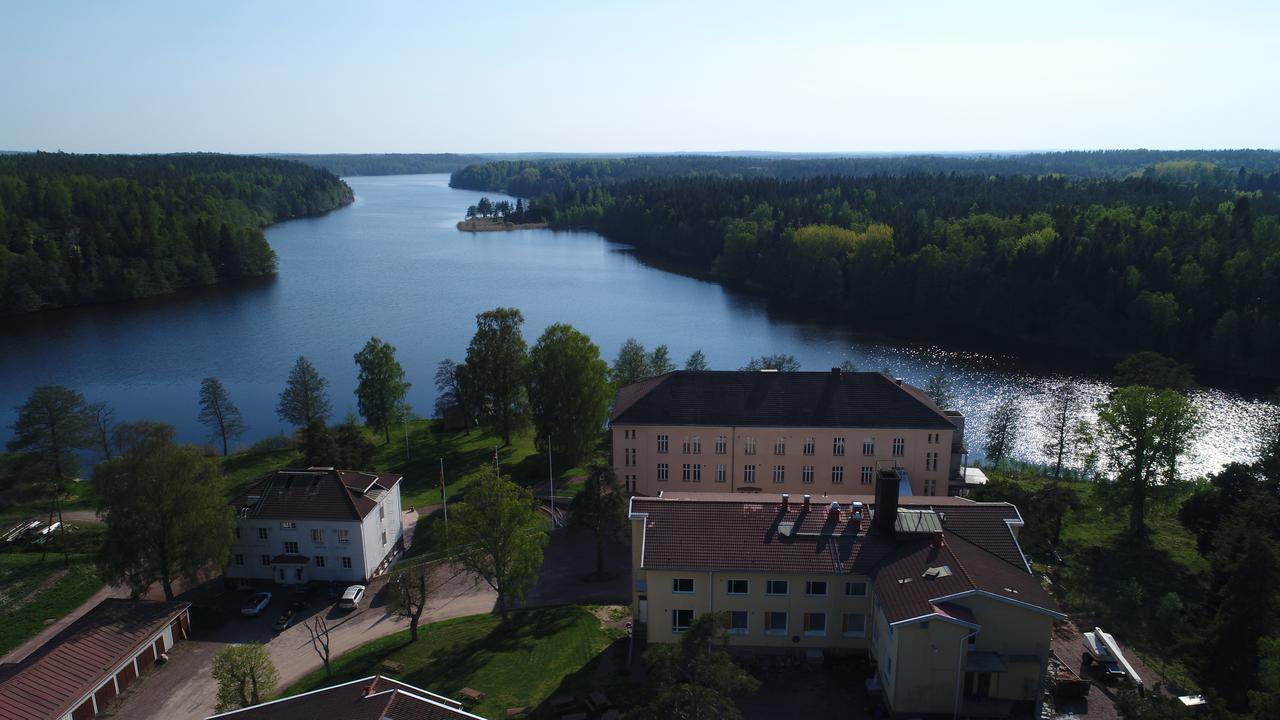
692,472
812,588
318,559
777,623
317,534
693,446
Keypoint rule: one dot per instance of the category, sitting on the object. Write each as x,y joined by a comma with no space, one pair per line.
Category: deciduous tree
1002,431
305,397
631,365
696,677
568,392
409,589
1058,419
660,361
697,362
601,508
781,362
498,360
381,387
245,675
501,535
219,414
939,389
318,631
51,425
104,422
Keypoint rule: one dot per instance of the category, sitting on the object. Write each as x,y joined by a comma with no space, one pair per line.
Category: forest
347,165
79,229
1098,267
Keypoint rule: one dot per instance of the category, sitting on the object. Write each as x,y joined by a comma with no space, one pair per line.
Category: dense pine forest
1181,259
77,229
347,165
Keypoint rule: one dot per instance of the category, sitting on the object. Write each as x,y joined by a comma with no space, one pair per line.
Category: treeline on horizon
347,165
1099,267
79,229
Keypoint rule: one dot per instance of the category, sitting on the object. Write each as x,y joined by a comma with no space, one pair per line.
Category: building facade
316,525
935,589
782,432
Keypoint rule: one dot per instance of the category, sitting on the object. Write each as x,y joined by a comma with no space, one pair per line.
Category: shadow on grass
607,673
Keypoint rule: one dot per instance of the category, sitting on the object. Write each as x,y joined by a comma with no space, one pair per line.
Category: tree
781,362
381,387
568,392
848,366
245,675
163,508
318,631
319,448
631,365
601,508
51,425
697,362
1059,417
660,361
305,397
409,590
1002,431
219,414
502,537
103,418
1143,433
353,449
939,389
1154,370
696,678
448,387
499,360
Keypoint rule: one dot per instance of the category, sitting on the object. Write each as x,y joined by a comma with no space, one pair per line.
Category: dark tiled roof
371,698
314,494
46,683
692,531
780,399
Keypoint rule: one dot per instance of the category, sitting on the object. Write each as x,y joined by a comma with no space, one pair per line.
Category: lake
393,265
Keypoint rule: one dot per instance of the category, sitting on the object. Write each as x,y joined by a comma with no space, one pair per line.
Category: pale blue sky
653,76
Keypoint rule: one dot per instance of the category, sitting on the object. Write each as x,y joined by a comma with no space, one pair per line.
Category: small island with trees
490,216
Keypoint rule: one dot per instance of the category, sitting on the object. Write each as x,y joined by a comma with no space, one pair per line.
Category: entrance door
977,684
644,610
282,575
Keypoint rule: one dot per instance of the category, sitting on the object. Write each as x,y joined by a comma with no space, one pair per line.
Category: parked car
352,597
256,604
283,621
301,597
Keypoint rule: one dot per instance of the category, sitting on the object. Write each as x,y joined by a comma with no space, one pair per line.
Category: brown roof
314,494
371,698
726,531
48,682
776,399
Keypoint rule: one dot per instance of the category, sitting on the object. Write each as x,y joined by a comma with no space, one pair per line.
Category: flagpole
552,479
444,497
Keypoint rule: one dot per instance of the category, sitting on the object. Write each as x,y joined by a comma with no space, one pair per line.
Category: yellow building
935,589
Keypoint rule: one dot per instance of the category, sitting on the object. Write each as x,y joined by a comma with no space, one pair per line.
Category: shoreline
495,226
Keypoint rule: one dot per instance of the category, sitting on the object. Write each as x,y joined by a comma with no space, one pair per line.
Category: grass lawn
541,653
35,591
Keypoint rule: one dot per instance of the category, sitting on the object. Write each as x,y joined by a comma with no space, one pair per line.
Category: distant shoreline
498,226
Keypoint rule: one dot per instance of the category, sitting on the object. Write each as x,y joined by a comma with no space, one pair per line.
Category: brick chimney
886,515
806,502
786,502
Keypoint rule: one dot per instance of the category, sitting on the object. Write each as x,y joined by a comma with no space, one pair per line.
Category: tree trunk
413,630
224,439
386,432
599,555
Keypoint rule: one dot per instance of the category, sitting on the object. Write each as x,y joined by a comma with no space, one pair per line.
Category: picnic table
392,666
470,695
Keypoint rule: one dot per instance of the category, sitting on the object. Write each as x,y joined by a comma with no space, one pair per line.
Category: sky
791,76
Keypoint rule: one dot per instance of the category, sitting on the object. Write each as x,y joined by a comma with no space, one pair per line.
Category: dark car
283,621
301,597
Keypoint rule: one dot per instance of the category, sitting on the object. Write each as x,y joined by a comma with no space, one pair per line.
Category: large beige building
798,432
935,589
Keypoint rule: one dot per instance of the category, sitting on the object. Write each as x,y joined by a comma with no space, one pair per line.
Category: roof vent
938,571
785,528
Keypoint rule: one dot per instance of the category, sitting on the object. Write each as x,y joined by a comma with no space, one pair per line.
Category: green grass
36,591
539,654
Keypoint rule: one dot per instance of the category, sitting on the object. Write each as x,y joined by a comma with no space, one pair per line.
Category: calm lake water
393,265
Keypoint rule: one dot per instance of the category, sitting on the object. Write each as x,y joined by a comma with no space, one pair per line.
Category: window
749,446
868,447
722,443
239,559
933,438
319,561
809,446
779,473
780,446
297,574
868,473
317,536
629,434
738,622
344,536
806,475
237,533
749,474
346,563
697,445
815,624
288,525
837,446
662,472
855,589
680,620
682,585
899,447
686,472
720,473
685,447
266,560
739,587
662,444
854,625
291,547
262,533
837,475
816,588
775,623
775,587
384,538
931,461
697,472
629,457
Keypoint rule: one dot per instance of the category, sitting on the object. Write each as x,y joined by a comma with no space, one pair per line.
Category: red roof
371,698
52,679
314,494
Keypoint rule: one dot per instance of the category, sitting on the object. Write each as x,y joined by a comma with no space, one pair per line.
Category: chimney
833,513
855,511
806,502
835,373
899,381
886,502
937,539
786,501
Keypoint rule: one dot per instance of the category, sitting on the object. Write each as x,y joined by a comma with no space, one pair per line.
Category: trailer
1102,648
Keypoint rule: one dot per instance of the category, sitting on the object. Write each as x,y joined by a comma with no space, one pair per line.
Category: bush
272,443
